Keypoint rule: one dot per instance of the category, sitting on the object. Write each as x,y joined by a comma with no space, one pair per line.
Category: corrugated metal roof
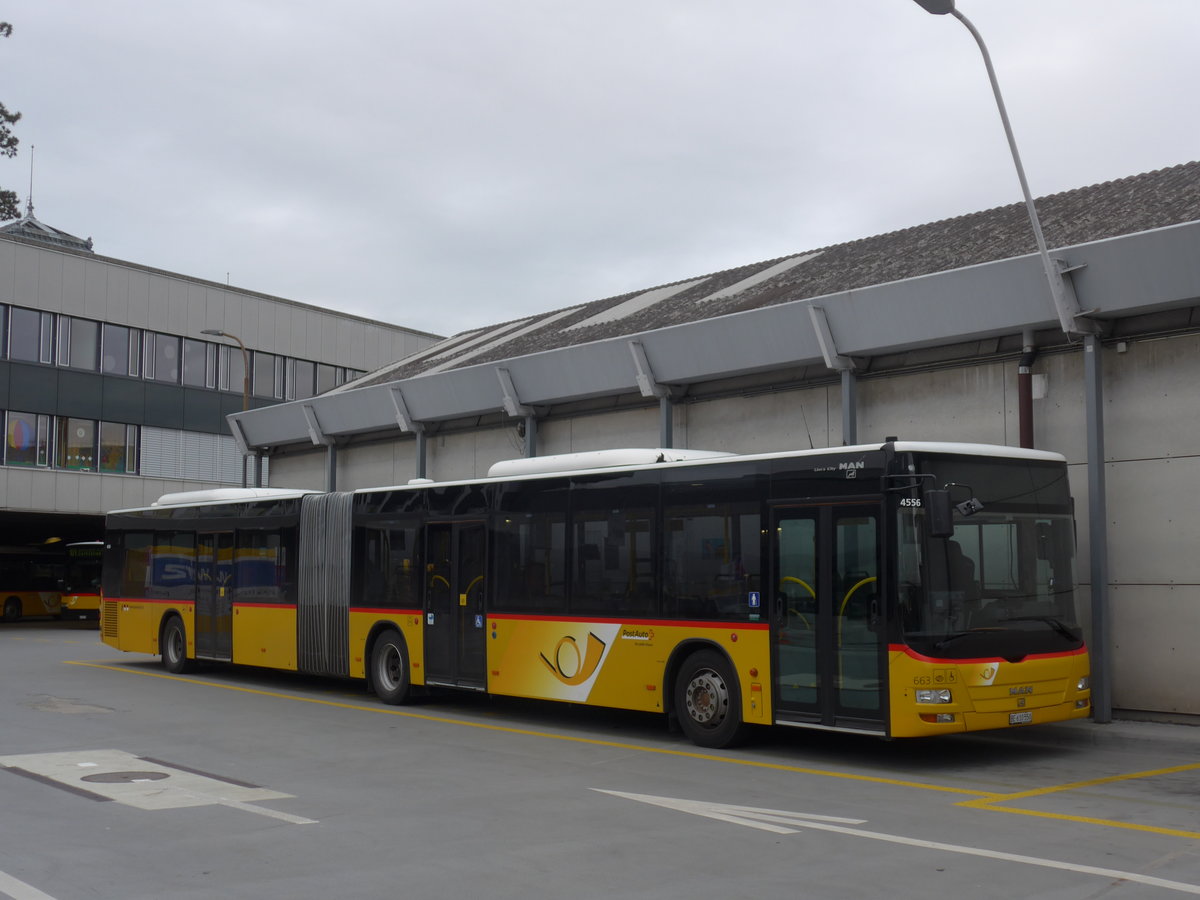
1125,206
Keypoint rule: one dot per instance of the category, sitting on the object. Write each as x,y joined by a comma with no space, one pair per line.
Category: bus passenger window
713,554
614,562
172,574
135,565
530,553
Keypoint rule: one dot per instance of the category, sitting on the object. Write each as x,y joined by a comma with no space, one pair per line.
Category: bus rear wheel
707,700
174,646
389,668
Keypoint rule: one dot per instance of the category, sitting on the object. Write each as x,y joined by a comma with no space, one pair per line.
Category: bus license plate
1021,718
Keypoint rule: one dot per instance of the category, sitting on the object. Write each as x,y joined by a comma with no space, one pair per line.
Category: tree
8,147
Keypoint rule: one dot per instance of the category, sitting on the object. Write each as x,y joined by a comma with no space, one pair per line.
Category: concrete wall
84,493
1152,449
110,290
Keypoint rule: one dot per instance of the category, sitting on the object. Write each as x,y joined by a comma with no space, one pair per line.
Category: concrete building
943,331
112,395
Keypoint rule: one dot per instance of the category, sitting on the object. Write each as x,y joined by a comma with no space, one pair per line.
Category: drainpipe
1025,390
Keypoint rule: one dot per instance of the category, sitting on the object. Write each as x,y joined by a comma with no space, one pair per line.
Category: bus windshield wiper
951,638
1054,623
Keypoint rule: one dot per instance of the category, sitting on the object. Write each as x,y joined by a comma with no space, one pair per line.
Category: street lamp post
1069,316
1074,322
216,332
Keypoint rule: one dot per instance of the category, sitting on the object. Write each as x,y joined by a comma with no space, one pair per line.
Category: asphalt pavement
118,780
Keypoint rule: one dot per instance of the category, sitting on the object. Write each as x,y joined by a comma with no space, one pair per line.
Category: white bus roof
600,461
597,459
220,495
634,458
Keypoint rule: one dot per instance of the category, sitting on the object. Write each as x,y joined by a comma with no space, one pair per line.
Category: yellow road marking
985,800
509,729
1086,820
992,802
1110,779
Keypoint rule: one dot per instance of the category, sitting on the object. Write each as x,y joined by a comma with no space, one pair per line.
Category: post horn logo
572,667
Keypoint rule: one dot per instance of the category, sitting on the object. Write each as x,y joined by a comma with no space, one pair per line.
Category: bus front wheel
707,700
12,609
389,668
174,646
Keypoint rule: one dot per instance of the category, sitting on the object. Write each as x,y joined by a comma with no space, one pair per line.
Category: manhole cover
125,777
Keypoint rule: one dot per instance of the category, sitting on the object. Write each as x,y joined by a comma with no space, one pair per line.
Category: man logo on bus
569,665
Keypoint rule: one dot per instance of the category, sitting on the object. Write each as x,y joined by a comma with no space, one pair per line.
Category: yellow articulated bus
900,589
81,583
30,582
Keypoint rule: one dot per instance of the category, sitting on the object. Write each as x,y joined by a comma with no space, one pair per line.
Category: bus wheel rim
707,698
389,668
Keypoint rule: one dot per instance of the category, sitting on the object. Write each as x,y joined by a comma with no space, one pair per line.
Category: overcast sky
447,164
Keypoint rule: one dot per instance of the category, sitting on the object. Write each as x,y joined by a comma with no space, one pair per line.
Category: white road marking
264,811
740,814
19,890
144,784
763,819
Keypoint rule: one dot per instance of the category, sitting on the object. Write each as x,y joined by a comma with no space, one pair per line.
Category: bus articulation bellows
900,589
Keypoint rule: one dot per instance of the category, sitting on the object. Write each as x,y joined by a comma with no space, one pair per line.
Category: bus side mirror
940,514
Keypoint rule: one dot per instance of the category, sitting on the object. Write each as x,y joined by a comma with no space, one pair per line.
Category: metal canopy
1115,277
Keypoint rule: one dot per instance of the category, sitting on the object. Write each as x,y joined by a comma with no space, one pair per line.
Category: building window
3,330
232,370
31,335
268,375
75,447
118,448
328,377
161,357
199,363
302,379
27,439
78,343
121,352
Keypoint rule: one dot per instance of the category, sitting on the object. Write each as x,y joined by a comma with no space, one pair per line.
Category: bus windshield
1003,584
84,561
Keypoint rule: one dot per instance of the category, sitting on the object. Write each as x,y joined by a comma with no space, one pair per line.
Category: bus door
455,620
827,616
214,595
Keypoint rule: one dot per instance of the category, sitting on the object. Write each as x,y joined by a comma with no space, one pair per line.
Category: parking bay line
993,803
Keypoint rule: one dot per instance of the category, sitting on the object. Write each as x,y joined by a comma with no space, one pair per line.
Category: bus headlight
1083,684
942,695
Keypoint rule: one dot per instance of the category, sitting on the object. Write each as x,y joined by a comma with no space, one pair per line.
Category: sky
449,164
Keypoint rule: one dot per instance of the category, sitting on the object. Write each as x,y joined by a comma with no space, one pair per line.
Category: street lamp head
937,7
216,332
